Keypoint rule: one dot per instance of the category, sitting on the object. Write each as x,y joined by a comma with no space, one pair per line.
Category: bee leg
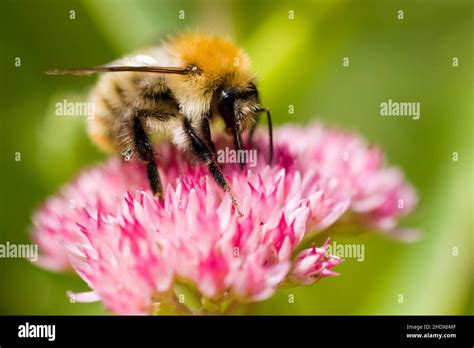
204,154
238,145
206,133
145,153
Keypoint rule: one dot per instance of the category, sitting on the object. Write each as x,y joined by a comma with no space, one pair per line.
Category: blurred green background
299,63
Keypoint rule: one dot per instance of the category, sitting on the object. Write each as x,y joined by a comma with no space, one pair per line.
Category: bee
175,90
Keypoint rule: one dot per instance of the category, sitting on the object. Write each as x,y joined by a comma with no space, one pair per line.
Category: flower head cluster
137,253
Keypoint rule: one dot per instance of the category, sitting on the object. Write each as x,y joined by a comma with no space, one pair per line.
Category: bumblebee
175,90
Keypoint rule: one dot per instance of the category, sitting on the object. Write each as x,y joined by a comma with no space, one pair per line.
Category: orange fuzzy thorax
222,65
220,60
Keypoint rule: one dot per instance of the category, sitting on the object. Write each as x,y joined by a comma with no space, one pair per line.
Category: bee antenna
146,69
270,132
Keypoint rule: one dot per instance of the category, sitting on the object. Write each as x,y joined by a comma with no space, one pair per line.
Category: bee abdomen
101,127
118,100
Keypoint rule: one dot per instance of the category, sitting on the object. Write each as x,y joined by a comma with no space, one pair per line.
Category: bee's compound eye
226,96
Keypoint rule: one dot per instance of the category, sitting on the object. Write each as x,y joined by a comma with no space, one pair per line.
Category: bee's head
238,106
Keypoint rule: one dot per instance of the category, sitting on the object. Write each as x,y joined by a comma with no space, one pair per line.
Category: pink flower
310,265
137,254
379,194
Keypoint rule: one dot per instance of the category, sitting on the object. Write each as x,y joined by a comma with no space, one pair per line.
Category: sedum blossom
140,255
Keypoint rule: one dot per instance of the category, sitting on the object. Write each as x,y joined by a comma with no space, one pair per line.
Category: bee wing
146,69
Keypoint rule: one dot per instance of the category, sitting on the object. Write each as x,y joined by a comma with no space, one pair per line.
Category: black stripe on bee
147,92
154,114
115,110
119,90
158,96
